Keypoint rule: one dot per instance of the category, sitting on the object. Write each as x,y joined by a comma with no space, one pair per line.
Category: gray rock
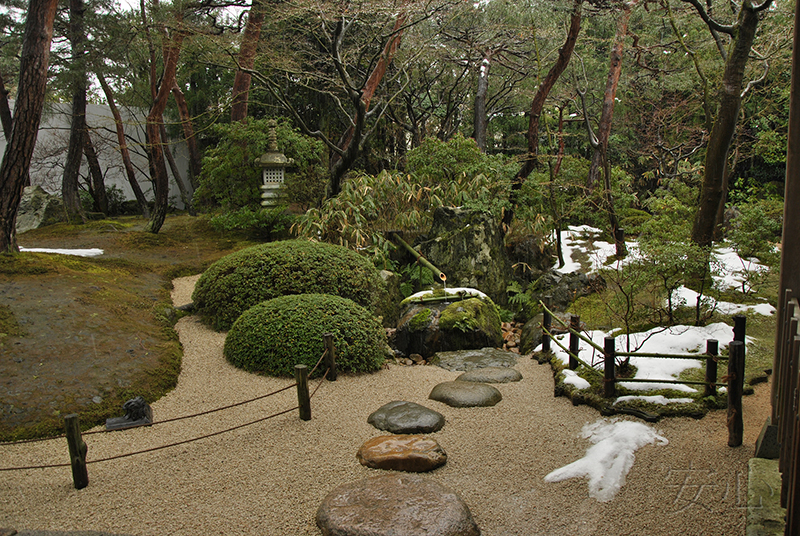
491,375
37,209
395,505
427,328
468,246
466,394
466,360
531,335
400,417
411,453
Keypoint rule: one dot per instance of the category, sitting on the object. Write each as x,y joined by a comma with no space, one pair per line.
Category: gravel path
269,478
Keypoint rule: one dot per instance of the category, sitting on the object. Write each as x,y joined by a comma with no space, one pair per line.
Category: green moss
469,315
274,336
420,320
238,281
8,324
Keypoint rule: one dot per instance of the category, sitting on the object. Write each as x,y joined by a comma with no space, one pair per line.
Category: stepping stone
412,453
491,375
466,394
400,417
392,505
466,360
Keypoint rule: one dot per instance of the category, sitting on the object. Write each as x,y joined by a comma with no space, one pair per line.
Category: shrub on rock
238,281
274,336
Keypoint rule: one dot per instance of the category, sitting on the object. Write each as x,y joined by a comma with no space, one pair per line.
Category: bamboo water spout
418,257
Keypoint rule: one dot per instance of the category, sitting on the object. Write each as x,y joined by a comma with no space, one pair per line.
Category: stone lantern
273,164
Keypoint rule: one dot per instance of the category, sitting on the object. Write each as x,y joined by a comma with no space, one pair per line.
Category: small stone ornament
137,413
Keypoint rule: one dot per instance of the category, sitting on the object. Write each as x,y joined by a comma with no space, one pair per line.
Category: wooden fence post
574,341
303,400
77,451
609,365
739,327
547,324
330,357
735,387
712,351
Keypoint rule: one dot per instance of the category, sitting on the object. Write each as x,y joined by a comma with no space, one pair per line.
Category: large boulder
468,246
38,208
430,327
395,504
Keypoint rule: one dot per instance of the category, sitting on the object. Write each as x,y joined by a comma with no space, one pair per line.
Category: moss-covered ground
84,334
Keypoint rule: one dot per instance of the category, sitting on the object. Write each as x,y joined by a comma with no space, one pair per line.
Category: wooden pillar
739,327
712,351
77,451
303,399
609,366
330,357
547,324
574,341
735,388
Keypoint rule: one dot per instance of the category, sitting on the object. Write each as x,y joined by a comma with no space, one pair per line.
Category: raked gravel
269,478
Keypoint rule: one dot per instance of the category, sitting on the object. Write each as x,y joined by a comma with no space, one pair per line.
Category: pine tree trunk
123,148
480,121
195,160
96,172
247,55
27,116
719,141
77,133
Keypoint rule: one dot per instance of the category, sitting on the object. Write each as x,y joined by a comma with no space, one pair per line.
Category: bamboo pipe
419,258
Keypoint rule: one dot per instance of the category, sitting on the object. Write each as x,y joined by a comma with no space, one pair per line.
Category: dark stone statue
137,413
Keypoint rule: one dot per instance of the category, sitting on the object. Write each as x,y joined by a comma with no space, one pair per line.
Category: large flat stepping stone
400,417
466,394
394,505
411,453
466,360
491,375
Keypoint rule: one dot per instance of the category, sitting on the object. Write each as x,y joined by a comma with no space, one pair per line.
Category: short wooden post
547,324
330,357
739,327
712,351
303,400
574,342
735,388
77,451
609,364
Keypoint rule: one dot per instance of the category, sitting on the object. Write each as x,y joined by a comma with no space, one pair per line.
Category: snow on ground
657,399
674,340
92,252
607,462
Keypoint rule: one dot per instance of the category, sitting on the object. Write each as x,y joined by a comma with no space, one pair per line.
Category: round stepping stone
400,417
395,504
411,453
466,394
491,375
466,360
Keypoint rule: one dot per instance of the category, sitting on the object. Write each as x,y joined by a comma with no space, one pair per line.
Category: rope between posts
175,418
578,359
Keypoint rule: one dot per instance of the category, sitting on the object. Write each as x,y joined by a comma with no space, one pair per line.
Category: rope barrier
24,441
170,445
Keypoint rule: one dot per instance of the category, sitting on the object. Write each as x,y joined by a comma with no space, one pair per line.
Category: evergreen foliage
238,281
274,336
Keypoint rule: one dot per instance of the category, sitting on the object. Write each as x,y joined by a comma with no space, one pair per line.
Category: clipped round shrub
274,336
240,280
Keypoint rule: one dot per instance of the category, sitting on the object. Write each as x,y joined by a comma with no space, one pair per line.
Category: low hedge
238,281
274,336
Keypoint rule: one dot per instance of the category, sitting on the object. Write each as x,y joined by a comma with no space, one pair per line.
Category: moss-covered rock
238,281
472,323
274,336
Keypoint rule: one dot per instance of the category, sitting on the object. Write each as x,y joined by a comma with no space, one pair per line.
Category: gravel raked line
270,478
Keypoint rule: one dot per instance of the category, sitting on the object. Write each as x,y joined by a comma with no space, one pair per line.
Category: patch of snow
608,461
93,252
571,377
728,308
657,399
454,292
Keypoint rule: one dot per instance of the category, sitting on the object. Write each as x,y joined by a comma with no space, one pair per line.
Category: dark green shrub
274,336
259,224
238,281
